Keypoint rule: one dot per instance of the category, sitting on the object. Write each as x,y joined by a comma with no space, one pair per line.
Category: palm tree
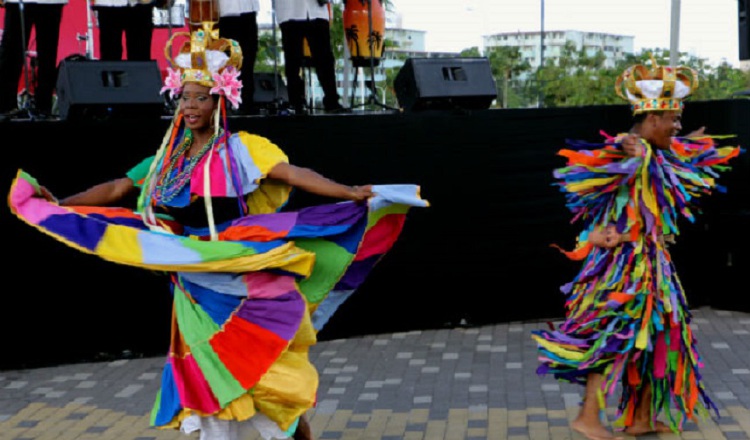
352,38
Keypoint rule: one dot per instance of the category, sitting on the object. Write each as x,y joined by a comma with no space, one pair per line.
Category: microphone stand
26,104
89,31
278,102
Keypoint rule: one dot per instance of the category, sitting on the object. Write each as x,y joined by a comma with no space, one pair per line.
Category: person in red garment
43,17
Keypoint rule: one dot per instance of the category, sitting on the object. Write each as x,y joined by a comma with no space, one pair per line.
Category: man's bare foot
303,431
641,428
592,431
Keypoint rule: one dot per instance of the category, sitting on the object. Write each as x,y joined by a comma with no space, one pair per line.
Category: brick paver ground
448,384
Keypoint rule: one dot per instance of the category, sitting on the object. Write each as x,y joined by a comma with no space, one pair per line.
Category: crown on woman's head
658,88
207,60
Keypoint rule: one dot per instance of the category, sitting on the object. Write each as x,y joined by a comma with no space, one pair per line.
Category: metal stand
26,104
278,104
89,31
309,91
373,98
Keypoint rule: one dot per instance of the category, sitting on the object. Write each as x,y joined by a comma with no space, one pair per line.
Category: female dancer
252,284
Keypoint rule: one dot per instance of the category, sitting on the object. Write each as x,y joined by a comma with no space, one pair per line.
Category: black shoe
299,109
40,116
14,114
336,109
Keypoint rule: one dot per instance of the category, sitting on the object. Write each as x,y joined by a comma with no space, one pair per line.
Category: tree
391,99
337,30
268,53
577,79
506,62
471,52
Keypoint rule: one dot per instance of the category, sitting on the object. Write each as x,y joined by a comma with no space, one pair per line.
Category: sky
707,28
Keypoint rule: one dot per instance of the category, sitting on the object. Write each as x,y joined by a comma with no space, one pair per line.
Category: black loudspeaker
93,89
743,32
445,83
269,90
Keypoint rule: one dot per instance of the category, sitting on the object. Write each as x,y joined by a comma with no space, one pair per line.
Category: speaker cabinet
269,89
96,89
445,83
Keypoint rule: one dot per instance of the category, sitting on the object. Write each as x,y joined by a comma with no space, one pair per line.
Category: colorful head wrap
207,60
659,88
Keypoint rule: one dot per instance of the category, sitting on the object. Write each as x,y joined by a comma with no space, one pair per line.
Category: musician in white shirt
301,20
238,20
134,19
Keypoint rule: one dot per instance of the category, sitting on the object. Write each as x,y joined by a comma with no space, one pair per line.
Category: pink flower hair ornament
172,83
228,84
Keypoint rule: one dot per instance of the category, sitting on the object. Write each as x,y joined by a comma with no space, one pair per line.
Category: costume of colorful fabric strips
241,315
626,311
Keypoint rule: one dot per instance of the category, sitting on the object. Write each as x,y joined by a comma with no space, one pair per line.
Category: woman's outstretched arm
313,182
103,194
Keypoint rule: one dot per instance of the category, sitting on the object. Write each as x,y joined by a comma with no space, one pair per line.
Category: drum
359,36
202,11
170,17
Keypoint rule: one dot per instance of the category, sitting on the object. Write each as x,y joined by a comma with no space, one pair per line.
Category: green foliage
576,79
269,52
470,52
579,79
506,63
337,30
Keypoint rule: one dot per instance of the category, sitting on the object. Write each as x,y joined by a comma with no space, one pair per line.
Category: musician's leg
291,42
111,27
47,28
139,32
11,58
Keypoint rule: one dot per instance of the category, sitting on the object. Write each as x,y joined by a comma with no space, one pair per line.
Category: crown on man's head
207,60
657,88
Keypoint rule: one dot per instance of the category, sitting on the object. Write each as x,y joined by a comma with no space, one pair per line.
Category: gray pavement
463,383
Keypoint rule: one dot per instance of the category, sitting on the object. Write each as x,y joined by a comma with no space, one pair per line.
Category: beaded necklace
173,179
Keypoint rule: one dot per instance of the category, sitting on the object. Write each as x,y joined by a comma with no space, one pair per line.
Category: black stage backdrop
479,255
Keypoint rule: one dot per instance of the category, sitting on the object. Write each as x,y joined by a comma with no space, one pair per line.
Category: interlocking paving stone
444,384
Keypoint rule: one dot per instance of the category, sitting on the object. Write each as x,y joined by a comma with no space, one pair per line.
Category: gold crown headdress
207,60
658,88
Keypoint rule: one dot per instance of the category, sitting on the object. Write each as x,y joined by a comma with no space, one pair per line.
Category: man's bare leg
303,431
642,417
588,423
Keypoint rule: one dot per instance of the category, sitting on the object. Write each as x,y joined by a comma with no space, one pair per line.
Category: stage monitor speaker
94,89
269,90
445,83
743,7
